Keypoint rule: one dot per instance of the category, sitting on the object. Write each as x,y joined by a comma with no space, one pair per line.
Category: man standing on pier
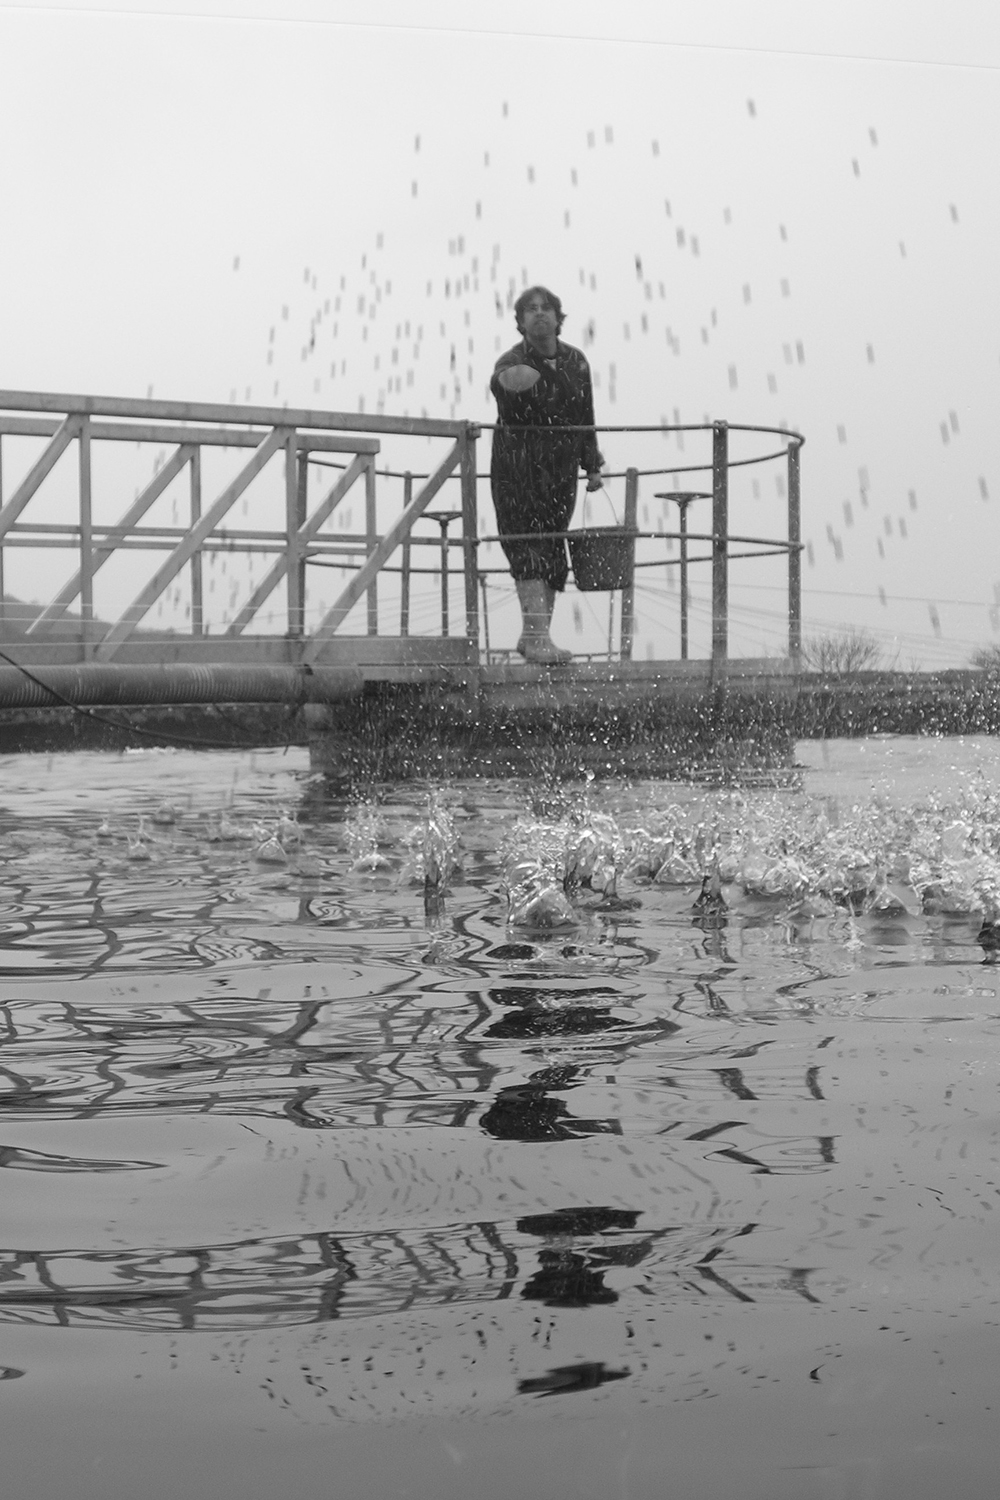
543,391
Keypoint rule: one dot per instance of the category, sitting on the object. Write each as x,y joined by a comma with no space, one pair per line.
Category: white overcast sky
811,191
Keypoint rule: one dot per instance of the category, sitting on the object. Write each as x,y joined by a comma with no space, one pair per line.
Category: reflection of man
541,386
528,1112
571,1274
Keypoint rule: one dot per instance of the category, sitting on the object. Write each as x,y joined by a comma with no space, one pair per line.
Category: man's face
539,318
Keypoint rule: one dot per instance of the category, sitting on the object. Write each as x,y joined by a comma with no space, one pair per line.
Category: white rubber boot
550,603
535,645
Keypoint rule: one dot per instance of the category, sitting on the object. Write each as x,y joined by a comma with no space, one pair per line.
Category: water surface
312,1183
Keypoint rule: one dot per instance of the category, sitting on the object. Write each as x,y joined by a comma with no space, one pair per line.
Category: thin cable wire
497,31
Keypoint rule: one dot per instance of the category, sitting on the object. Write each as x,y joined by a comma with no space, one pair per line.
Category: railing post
720,545
404,577
197,580
371,533
3,585
86,546
486,616
470,534
444,521
682,506
301,511
627,629
293,572
794,555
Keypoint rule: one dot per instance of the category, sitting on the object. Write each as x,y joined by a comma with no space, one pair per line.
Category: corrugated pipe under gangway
178,682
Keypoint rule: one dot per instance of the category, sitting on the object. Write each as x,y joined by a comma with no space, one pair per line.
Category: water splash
364,830
797,855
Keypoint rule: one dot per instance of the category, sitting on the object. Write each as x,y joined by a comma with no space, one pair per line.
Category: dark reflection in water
566,1278
529,1112
563,1221
574,1277
566,1379
286,1280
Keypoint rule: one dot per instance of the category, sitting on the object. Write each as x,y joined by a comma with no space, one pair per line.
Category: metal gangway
64,529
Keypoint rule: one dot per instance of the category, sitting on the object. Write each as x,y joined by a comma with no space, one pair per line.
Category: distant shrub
986,658
842,653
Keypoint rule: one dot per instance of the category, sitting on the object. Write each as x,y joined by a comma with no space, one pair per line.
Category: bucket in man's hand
603,558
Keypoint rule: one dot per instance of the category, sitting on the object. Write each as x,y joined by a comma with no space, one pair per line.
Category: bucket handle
607,496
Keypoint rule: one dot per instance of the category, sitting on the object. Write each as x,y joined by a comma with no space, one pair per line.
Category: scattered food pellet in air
953,419
935,619
871,355
656,148
841,434
983,490
954,212
872,136
854,164
732,377
881,596
751,108
913,499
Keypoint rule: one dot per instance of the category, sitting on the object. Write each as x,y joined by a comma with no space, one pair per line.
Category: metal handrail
303,438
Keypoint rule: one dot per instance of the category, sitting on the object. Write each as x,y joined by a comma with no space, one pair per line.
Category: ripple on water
505,1160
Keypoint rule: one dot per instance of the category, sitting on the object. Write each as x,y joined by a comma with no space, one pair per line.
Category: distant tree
842,653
